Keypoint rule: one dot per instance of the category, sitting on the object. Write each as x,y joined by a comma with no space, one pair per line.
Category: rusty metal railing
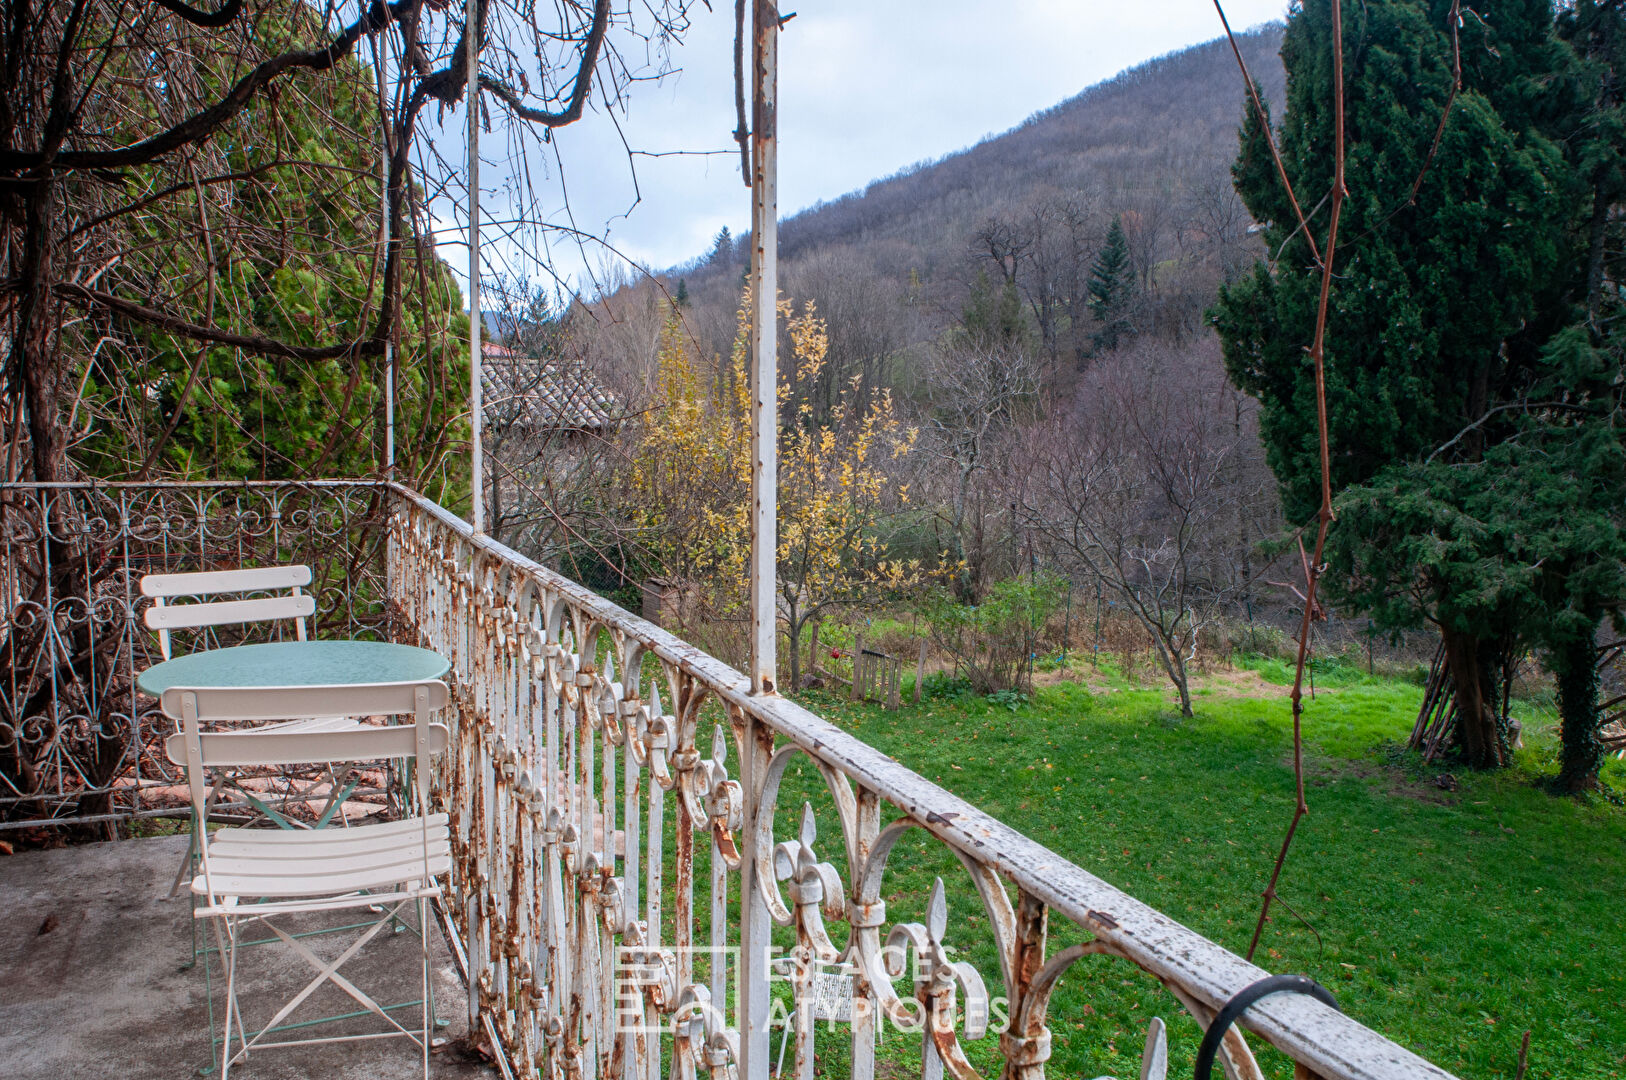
590,805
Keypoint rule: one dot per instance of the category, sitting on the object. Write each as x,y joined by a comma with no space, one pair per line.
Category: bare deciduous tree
1137,487
979,393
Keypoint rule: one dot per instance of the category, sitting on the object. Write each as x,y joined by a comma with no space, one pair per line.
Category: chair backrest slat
228,704
291,748
164,617
225,612
210,582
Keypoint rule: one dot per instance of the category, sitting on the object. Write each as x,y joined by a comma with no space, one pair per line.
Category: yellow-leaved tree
691,478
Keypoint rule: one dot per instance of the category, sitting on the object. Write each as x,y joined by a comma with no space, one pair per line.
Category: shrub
992,641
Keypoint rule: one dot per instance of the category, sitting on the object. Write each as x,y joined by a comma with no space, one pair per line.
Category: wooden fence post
920,670
858,664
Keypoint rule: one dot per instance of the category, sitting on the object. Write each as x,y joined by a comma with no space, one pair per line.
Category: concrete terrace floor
93,981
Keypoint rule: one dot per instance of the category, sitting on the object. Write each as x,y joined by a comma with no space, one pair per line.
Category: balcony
653,866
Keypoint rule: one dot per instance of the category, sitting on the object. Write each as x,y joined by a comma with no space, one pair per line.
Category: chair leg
227,941
242,1035
189,862
423,928
186,864
428,999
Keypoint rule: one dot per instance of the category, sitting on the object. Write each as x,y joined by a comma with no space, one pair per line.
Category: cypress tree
1458,406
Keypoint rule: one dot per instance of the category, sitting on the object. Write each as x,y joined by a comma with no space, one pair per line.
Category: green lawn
1449,920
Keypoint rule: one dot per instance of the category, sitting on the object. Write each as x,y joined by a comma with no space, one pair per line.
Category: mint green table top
295,663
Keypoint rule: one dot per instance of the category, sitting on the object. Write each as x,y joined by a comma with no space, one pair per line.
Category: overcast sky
866,88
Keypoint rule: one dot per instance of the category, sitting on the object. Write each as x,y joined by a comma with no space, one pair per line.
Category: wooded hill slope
1043,285
1153,132
891,266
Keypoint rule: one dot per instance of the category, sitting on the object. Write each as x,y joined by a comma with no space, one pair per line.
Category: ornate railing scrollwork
78,745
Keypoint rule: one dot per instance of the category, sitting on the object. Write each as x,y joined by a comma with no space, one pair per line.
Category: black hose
1233,1010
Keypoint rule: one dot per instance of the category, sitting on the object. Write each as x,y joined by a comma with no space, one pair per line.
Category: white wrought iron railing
640,888
580,753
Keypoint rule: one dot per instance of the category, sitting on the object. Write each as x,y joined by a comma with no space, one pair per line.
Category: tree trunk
33,353
1185,694
1174,665
920,670
794,632
963,590
1575,667
1473,670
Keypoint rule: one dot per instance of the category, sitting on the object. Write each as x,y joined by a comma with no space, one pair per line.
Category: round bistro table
295,663
291,663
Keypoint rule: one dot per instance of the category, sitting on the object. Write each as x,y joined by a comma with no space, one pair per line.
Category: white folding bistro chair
255,876
289,603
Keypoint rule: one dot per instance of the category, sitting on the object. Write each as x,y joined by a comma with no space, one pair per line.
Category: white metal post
764,343
378,42
477,509
389,340
389,408
756,934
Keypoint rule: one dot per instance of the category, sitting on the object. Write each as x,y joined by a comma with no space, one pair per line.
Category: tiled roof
543,395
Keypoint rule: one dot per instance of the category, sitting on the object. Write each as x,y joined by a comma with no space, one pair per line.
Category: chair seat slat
318,837
307,867
391,875
287,844
228,866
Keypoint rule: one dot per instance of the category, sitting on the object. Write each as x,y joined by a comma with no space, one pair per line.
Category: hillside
1155,131
891,266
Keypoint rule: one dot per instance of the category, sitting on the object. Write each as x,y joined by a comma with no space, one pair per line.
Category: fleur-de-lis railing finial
724,802
815,888
702,1038
939,982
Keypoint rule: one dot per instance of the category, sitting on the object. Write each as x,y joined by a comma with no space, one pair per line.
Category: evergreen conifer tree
250,415
1463,403
1111,284
722,248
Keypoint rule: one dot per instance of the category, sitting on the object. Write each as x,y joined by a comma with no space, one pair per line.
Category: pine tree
1110,288
722,248
1444,350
